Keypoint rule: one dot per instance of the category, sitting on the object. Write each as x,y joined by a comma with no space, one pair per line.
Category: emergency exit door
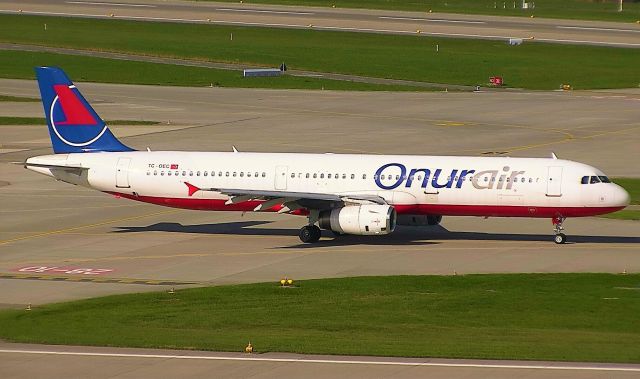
554,181
122,173
281,177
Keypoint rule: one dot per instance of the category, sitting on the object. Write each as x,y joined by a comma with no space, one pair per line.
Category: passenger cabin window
264,174
206,173
364,176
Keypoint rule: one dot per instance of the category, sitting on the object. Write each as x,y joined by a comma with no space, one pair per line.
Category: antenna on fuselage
553,155
234,149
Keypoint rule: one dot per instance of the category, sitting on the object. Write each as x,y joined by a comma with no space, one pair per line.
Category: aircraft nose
620,197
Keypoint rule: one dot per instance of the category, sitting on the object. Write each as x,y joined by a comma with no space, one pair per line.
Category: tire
309,234
560,238
317,233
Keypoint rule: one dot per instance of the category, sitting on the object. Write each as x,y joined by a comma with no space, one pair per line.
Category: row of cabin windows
337,176
594,179
455,178
206,173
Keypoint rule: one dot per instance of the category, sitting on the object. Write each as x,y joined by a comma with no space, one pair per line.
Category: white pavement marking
262,11
430,20
599,29
553,366
574,41
319,27
110,4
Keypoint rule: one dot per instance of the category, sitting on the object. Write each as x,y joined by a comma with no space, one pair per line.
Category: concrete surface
46,224
367,21
52,224
41,361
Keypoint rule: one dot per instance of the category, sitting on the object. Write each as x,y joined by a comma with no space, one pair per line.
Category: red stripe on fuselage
417,209
75,112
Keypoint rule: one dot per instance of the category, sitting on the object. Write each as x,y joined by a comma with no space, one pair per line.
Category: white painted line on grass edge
554,366
110,4
599,29
431,20
263,11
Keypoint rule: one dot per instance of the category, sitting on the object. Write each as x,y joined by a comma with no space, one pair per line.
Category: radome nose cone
622,197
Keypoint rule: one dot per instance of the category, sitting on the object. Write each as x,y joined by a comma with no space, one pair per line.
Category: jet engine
365,219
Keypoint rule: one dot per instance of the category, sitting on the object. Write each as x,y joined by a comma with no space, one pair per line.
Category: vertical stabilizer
74,126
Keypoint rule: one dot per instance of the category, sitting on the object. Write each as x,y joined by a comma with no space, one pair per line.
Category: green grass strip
40,121
624,215
568,9
20,64
570,317
458,61
18,99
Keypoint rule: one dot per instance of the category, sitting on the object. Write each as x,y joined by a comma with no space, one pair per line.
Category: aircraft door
554,181
281,177
122,173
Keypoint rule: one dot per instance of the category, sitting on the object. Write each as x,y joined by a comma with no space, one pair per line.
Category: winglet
192,189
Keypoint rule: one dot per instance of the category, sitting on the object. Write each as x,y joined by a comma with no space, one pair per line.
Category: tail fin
74,126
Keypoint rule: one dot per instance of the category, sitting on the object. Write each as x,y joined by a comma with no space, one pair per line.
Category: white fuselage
438,185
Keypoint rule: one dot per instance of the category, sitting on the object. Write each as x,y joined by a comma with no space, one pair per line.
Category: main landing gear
560,237
309,234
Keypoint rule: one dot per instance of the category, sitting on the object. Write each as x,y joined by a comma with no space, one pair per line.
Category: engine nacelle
366,219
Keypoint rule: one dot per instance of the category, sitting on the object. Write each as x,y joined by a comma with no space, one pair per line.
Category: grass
625,214
458,61
19,99
570,9
574,317
20,64
40,121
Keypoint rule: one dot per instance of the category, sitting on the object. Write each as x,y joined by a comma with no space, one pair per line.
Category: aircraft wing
289,200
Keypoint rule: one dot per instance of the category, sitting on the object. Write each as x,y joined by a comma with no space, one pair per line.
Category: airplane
356,194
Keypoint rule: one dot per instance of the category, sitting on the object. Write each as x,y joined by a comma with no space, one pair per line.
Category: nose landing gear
560,237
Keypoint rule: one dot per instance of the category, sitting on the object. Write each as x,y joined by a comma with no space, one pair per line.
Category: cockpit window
584,180
594,179
604,179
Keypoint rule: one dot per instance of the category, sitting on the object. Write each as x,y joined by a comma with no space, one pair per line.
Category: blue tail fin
74,126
